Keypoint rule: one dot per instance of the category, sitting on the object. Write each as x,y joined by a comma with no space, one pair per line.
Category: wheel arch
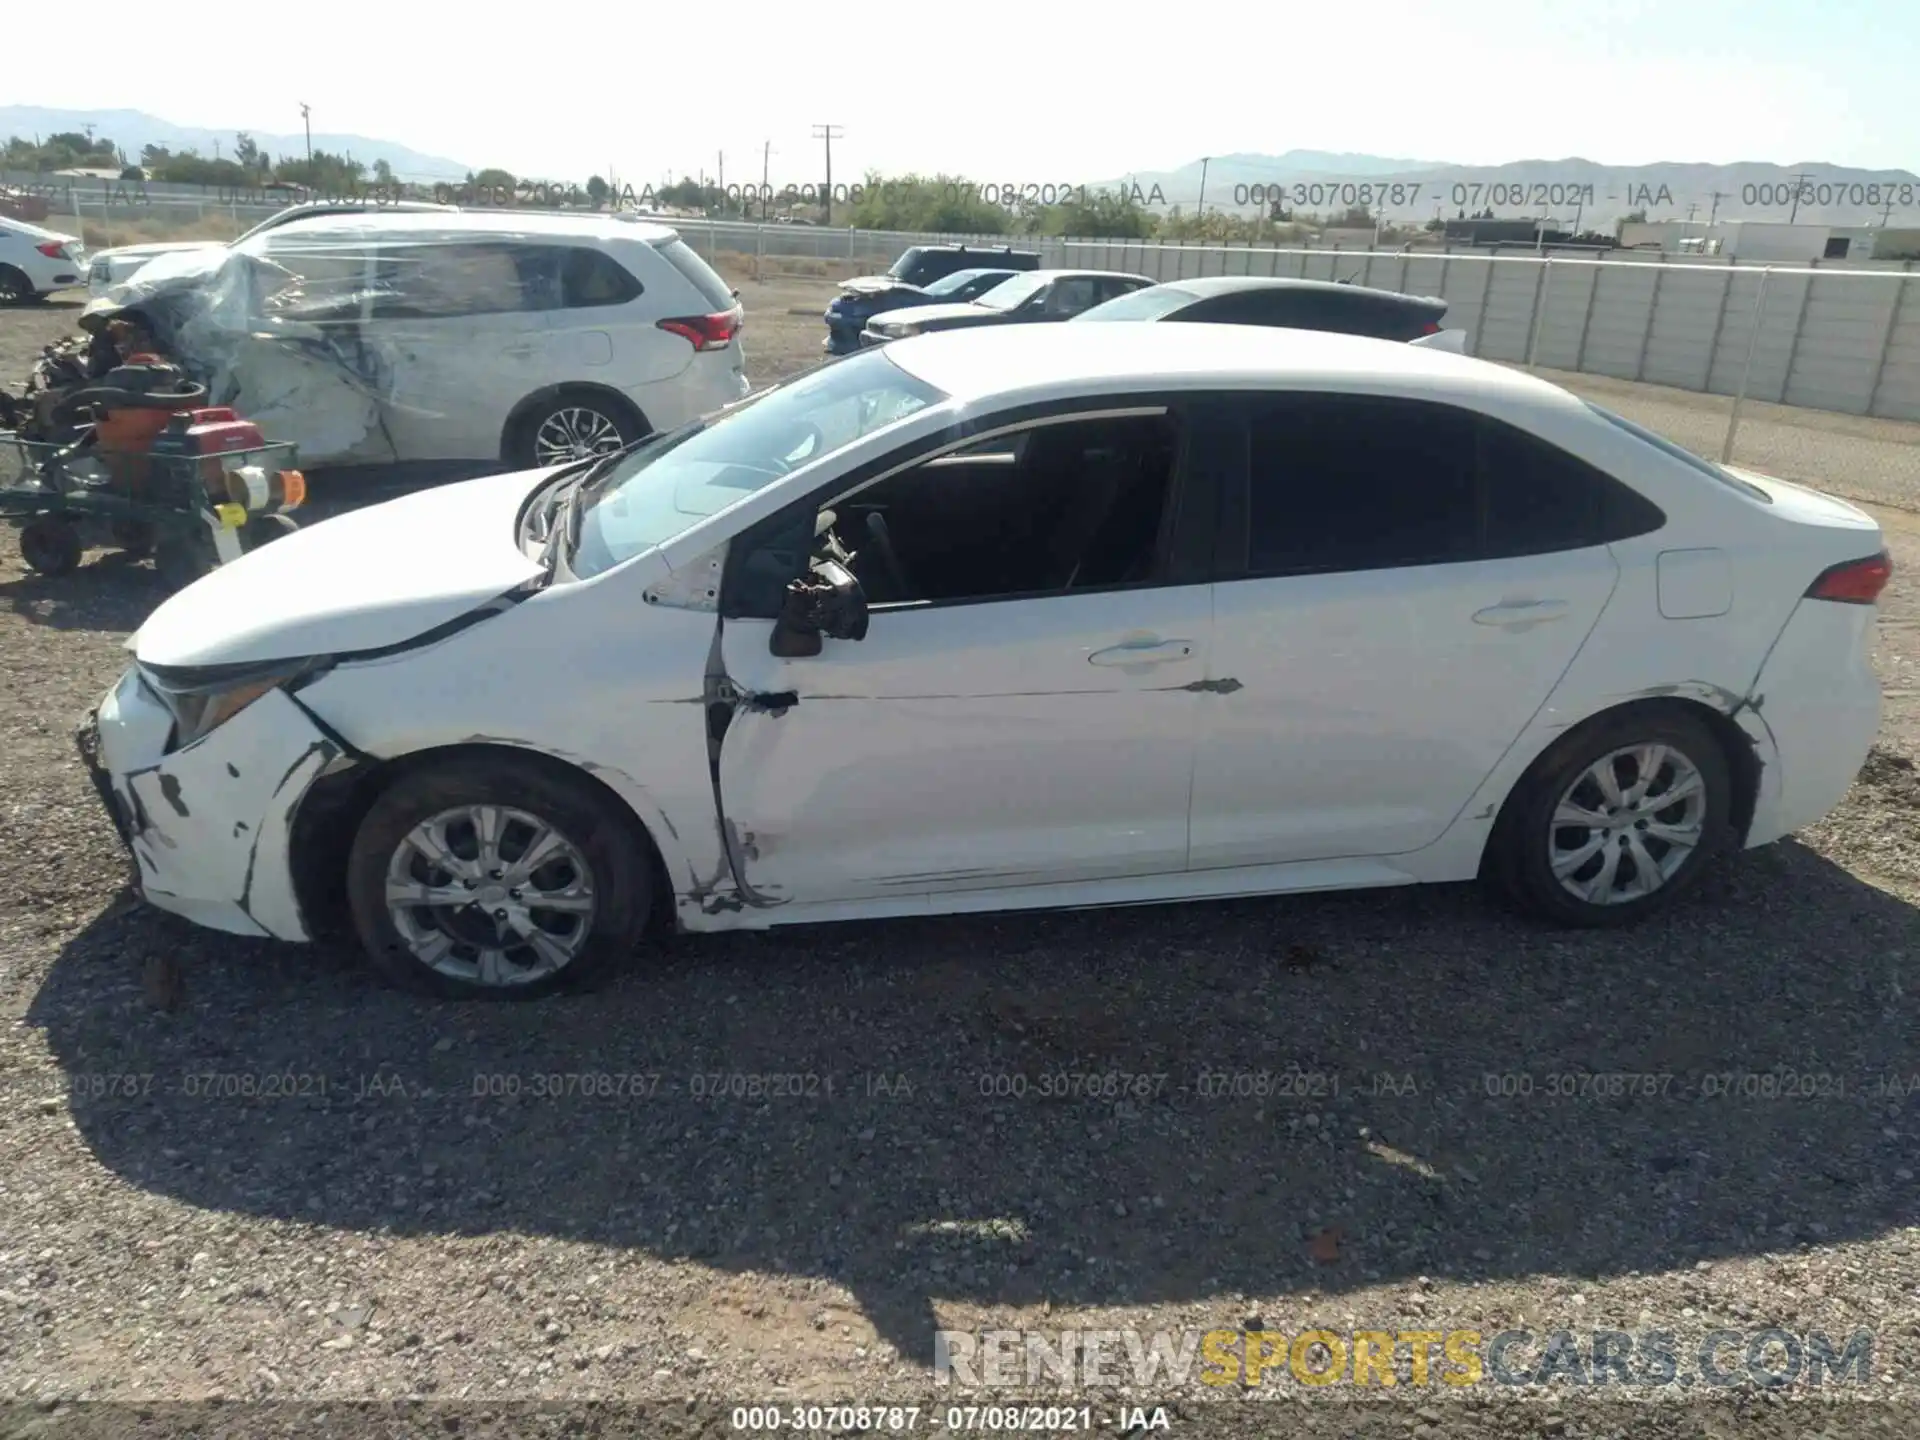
329,815
1737,746
531,405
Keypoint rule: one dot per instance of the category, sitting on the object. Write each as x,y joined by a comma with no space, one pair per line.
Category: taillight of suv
707,332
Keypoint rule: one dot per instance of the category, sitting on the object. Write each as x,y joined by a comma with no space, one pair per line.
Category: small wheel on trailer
182,559
50,545
135,537
264,529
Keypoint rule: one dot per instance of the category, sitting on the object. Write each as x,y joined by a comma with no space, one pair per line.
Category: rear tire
441,909
1587,840
573,425
15,287
50,546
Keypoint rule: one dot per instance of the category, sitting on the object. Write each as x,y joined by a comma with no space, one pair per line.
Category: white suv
34,262
476,336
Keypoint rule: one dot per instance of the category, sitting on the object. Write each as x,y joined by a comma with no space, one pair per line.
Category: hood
360,581
875,285
945,317
157,247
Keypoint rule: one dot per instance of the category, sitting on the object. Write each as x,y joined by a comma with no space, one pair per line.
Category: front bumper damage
209,826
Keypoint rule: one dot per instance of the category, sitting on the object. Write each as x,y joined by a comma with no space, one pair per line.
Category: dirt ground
296,1185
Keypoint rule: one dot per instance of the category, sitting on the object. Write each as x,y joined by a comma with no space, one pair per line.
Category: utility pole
766,152
1799,183
306,119
722,185
1714,213
828,133
1201,208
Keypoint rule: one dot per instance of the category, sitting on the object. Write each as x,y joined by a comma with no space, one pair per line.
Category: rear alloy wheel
1617,822
15,287
495,880
575,428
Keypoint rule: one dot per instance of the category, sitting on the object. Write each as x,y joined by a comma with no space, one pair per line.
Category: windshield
1682,454
665,488
1148,304
957,281
1011,292
906,264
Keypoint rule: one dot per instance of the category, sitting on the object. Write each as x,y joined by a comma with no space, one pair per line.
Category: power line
828,133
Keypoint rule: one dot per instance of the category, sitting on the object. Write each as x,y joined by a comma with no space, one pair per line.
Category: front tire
50,545
501,879
1617,821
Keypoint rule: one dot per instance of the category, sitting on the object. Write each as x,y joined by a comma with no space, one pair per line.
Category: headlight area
204,698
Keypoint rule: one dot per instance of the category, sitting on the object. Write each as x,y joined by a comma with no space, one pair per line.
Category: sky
1062,93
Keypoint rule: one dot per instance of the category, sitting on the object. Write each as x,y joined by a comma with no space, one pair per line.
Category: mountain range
1573,192
132,130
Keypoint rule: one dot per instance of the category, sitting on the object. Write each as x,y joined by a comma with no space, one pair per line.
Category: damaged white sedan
1062,617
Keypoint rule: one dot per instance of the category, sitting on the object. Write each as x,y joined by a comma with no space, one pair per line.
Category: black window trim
1233,537
1183,552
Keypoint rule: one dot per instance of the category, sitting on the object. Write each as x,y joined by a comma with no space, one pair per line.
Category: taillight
707,332
53,250
1854,582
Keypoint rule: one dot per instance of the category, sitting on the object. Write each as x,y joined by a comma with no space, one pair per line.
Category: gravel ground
376,1229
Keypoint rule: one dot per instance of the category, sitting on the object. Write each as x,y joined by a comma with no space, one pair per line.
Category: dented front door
1017,742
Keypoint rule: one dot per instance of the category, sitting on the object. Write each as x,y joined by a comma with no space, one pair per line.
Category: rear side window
1539,499
1359,482
1683,455
697,273
1352,482
593,277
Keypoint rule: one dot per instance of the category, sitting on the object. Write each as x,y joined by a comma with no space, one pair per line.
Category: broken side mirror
828,602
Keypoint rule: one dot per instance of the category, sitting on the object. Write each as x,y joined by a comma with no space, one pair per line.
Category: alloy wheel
575,432
1627,824
490,895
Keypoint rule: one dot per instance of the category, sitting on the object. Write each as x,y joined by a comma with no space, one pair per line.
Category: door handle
518,352
1521,613
1143,652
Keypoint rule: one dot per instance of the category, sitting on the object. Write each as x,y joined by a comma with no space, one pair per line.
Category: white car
1065,616
35,262
470,336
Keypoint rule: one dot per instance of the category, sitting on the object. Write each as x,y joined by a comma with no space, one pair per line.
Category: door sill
1302,877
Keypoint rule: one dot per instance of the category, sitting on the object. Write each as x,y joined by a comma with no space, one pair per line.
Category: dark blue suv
925,274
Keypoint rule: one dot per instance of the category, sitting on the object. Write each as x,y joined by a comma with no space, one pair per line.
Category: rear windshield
698,273
1683,455
907,264
1148,304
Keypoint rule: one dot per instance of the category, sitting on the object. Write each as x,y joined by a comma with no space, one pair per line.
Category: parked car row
873,310
1092,614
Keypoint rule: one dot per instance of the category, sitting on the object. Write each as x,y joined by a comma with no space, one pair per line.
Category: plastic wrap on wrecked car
313,336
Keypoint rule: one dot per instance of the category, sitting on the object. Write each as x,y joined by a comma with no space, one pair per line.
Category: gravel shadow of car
1130,1107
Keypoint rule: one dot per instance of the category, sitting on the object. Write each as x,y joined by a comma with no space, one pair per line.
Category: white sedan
1054,616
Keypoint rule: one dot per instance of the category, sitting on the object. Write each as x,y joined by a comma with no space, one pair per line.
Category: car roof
1019,363
585,225
1053,274
1210,285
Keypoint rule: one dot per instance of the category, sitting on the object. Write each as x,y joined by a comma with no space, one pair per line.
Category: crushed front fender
210,825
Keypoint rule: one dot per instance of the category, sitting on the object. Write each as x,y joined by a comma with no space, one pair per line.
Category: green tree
1100,214
597,190
949,204
494,178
